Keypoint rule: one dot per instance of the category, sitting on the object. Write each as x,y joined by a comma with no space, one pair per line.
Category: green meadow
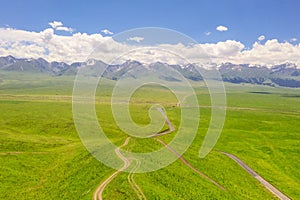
42,156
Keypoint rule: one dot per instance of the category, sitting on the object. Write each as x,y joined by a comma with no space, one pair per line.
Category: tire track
139,192
100,189
265,183
127,162
171,127
182,159
185,162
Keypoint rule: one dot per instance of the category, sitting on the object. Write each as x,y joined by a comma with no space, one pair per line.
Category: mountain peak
131,62
286,74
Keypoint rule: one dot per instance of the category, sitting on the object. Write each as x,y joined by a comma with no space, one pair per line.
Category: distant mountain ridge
285,75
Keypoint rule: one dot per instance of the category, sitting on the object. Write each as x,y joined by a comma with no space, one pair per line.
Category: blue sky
246,20
264,32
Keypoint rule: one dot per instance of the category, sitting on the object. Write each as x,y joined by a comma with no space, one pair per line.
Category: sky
244,24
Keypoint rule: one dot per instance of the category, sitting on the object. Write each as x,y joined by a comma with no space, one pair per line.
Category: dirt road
137,189
100,189
265,183
171,127
183,160
139,192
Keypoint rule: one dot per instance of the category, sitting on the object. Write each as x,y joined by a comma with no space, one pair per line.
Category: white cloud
223,49
47,35
76,47
136,39
107,32
55,24
207,33
262,37
221,28
293,40
270,53
63,28
79,46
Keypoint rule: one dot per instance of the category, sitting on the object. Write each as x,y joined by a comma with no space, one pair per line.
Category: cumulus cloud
223,49
53,47
270,53
221,28
63,28
136,39
293,40
79,46
47,35
55,24
262,37
107,32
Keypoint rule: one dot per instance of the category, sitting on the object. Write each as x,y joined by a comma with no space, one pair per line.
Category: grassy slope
55,165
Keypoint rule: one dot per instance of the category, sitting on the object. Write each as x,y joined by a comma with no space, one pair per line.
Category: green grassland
42,156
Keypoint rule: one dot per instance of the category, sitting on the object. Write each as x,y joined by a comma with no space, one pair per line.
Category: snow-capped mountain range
285,75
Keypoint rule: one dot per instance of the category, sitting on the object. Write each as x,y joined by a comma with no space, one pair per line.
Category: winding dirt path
265,183
183,160
127,161
100,189
139,192
171,127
